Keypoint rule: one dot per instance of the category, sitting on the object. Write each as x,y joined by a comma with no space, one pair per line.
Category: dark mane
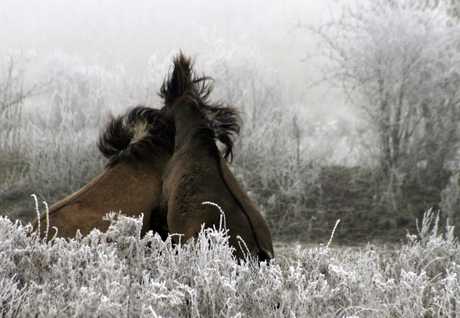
224,122
142,133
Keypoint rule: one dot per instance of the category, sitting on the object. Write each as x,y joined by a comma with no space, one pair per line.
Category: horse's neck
189,125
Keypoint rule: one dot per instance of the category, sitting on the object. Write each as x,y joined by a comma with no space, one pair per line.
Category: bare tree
14,89
399,64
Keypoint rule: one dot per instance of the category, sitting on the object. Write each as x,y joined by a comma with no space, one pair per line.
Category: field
304,173
119,274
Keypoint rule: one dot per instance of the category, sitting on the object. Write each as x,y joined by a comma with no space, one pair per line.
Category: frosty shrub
59,159
399,65
450,202
15,87
119,274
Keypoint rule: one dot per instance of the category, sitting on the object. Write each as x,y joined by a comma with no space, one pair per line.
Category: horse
138,146
198,172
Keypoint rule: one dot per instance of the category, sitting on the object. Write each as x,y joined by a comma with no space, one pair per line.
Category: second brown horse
197,171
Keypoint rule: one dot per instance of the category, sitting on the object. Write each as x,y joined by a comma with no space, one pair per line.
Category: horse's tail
142,133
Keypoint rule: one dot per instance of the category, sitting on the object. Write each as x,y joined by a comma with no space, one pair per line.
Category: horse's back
253,217
131,189
190,180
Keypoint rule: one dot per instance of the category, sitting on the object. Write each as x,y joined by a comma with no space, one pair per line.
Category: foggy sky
129,33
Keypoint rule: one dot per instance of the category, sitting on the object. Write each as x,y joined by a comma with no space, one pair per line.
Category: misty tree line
397,61
399,64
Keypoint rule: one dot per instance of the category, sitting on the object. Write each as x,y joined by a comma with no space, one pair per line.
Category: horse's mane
223,121
142,133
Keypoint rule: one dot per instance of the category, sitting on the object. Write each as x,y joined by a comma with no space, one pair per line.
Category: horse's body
138,146
197,171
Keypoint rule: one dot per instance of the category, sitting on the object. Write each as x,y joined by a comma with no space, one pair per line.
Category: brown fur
138,146
197,171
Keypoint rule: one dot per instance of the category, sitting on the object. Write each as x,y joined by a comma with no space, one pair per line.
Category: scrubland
302,172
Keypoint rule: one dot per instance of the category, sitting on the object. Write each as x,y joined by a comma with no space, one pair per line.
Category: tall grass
119,274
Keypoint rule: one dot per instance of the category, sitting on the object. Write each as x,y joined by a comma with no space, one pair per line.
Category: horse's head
183,92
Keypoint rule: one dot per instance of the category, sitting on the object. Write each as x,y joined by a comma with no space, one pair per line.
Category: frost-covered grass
119,274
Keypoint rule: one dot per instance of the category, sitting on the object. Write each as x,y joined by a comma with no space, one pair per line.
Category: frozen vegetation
302,171
119,274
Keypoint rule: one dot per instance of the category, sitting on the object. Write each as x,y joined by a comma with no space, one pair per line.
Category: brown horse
197,171
138,146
